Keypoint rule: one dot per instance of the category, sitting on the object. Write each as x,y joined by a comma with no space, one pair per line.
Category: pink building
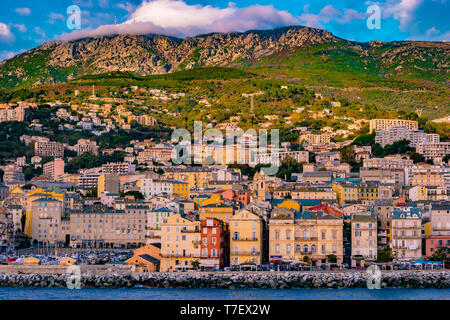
54,169
434,243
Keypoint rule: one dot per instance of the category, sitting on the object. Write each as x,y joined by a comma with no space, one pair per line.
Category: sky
25,24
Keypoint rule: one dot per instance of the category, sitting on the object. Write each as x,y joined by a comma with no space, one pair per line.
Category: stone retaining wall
263,280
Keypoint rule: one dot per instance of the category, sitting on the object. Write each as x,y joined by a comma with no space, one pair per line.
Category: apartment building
88,179
49,149
12,114
221,212
433,150
407,233
47,213
107,228
180,243
308,236
246,238
108,183
427,175
155,218
54,169
396,176
393,134
160,153
13,173
118,168
364,240
144,120
86,145
278,157
384,124
214,248
440,218
196,177
388,163
316,139
34,195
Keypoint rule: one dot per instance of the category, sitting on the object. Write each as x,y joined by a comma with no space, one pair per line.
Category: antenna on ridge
115,18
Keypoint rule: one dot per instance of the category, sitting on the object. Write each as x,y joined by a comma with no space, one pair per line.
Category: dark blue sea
222,294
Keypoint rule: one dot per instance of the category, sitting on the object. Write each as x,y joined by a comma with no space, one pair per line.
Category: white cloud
177,18
327,14
128,7
401,10
432,31
54,17
103,4
21,27
5,33
23,11
40,32
5,55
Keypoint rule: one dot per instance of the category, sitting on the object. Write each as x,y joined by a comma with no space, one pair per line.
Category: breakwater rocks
261,280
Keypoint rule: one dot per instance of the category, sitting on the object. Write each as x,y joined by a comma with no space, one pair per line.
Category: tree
440,255
136,194
365,140
348,155
385,255
195,264
416,157
307,259
331,258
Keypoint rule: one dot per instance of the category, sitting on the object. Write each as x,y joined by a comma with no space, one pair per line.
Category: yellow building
108,182
31,261
196,177
217,211
181,188
67,261
246,238
355,192
202,201
35,195
290,204
180,243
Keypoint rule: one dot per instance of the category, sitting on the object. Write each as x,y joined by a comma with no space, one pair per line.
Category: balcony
190,230
245,253
306,238
196,242
245,239
440,229
180,255
409,236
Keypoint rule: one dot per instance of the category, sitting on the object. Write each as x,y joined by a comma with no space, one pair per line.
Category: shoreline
237,280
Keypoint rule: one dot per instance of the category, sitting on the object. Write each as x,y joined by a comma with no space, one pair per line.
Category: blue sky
25,24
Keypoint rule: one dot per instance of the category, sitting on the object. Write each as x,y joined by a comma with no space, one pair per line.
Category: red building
326,208
213,244
434,243
241,196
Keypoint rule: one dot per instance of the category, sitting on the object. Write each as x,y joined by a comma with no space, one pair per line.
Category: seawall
227,280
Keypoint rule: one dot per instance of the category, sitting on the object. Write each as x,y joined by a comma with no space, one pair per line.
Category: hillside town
337,204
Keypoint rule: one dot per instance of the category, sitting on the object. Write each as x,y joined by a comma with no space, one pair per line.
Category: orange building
214,251
434,243
241,196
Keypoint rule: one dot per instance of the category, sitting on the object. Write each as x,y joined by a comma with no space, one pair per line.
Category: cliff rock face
58,61
154,54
